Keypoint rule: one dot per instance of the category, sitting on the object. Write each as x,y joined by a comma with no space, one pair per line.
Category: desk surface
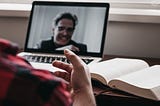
106,96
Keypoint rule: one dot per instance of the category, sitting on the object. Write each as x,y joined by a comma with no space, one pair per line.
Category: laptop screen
79,26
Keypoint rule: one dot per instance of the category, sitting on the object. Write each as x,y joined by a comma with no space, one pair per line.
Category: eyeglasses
61,28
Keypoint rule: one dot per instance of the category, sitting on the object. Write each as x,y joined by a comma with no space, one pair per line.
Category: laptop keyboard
49,59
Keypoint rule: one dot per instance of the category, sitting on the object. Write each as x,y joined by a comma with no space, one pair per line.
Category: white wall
133,39
123,38
14,29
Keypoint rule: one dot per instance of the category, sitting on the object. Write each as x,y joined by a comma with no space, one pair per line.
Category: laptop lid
89,31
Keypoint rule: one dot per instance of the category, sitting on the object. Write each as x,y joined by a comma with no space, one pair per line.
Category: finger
64,75
62,65
73,58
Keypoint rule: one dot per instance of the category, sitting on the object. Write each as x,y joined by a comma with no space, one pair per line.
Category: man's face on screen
63,32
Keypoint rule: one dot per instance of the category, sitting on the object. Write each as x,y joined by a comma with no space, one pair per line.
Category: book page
145,83
117,67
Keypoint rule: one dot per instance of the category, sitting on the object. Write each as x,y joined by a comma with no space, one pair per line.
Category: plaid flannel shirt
22,85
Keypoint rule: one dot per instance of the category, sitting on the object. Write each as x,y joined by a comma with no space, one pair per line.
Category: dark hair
65,15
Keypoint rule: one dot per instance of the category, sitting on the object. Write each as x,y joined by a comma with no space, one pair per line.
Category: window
121,10
140,4
137,4
16,1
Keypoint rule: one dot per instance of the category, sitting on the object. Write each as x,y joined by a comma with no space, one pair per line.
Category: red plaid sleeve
22,85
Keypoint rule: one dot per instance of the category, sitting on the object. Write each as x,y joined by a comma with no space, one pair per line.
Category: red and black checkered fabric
22,85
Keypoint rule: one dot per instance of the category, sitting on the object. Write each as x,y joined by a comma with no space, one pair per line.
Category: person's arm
80,79
23,85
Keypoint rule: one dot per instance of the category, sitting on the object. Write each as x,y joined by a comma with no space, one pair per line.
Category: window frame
121,10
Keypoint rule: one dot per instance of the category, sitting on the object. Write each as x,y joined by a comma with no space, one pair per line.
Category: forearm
84,97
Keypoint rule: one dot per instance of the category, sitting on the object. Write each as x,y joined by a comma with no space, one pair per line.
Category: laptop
89,31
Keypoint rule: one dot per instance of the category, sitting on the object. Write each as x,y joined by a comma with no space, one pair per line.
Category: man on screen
63,27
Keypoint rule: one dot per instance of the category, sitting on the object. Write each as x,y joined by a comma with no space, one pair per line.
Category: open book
130,75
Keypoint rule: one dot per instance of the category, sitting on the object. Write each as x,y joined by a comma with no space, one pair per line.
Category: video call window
88,31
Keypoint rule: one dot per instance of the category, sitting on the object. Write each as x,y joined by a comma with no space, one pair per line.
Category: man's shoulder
48,43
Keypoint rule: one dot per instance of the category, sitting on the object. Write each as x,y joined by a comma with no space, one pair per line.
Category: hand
77,73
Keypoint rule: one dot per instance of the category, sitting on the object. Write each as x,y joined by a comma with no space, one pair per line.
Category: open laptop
90,31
